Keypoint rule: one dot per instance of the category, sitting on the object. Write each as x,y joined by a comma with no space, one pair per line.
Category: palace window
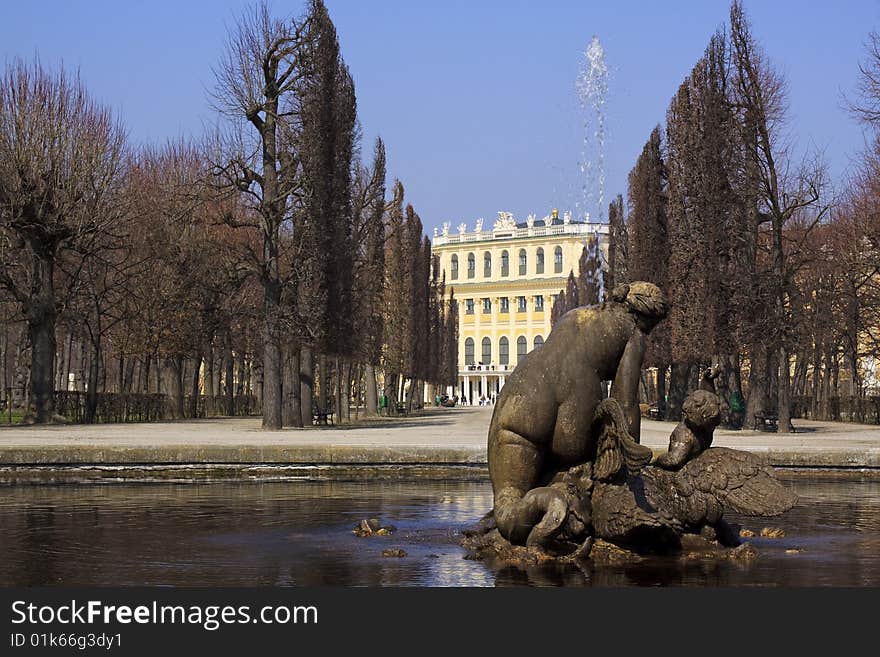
505,263
487,264
522,348
505,305
523,261
557,260
487,306
468,306
539,302
454,267
539,265
503,351
539,341
487,351
520,304
469,351
472,265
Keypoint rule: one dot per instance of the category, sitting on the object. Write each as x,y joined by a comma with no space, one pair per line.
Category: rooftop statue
566,465
505,221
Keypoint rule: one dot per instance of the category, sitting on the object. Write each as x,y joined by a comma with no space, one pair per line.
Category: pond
299,533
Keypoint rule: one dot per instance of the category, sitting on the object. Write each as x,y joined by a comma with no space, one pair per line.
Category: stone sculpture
568,472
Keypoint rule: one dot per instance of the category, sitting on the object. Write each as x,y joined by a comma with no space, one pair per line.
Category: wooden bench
654,413
766,422
322,417
401,409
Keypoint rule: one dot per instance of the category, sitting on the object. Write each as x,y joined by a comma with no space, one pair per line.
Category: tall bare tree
60,164
259,83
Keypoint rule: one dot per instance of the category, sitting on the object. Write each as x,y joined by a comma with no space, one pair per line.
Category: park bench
401,409
320,416
766,422
654,413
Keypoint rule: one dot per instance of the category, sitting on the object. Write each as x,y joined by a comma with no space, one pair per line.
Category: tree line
772,276
259,266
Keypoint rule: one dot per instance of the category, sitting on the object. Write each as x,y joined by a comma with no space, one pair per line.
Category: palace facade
506,280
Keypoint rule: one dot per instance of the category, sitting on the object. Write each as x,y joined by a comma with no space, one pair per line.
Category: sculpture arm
680,444
625,387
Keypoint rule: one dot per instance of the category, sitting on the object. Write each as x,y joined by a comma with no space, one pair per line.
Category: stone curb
63,456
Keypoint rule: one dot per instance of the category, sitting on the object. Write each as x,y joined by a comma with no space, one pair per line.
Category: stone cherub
701,413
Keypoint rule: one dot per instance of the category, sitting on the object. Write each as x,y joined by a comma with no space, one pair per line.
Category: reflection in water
298,533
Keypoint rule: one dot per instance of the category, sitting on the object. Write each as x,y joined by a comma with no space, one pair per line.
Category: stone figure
545,420
569,477
505,221
701,413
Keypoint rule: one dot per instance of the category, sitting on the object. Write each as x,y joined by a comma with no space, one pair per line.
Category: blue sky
475,100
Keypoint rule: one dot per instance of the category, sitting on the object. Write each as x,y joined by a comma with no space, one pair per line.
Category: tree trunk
272,359
346,390
296,419
307,385
91,408
230,378
41,317
194,388
391,386
177,405
291,413
209,379
758,373
661,390
783,407
678,385
145,373
323,384
370,394
337,389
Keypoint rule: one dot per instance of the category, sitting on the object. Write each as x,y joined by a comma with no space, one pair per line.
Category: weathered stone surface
568,475
550,415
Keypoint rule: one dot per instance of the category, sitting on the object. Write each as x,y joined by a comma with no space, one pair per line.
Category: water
592,94
298,533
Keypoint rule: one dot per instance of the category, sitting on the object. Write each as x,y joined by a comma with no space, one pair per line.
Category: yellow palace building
506,280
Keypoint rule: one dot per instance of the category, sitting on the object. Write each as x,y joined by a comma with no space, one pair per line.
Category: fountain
591,87
570,479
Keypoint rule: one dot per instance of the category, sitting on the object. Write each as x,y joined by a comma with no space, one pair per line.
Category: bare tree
784,193
60,155
258,88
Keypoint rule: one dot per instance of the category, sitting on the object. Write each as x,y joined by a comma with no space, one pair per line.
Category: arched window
539,261
557,260
503,351
454,267
523,261
522,348
469,351
487,264
472,265
487,351
539,341
505,263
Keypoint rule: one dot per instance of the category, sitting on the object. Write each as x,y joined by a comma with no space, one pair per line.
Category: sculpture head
702,410
644,300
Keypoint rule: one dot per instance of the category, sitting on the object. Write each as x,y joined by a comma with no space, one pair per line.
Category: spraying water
592,92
